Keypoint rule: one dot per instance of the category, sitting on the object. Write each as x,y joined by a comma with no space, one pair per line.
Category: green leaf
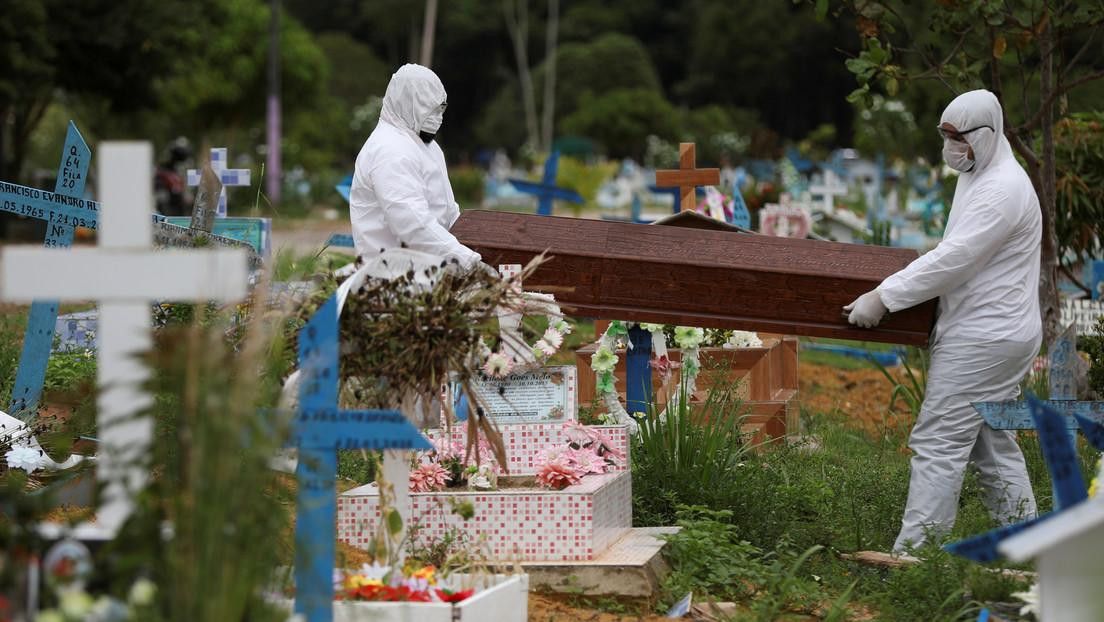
394,523
891,87
821,9
859,94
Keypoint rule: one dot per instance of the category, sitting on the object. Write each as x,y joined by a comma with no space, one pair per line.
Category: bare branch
1077,56
1073,279
1061,89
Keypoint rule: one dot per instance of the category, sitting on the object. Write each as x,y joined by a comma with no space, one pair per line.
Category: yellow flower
354,581
426,572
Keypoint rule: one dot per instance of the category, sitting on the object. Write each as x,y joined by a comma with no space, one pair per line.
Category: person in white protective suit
985,273
401,195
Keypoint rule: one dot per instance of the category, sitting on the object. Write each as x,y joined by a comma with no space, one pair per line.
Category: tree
622,119
116,51
1031,53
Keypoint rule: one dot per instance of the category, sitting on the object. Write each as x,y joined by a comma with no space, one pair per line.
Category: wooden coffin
697,277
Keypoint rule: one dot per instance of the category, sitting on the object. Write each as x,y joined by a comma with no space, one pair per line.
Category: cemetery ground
765,529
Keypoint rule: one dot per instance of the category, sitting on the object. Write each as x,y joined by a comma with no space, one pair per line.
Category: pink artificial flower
605,449
428,478
557,475
587,461
553,337
664,366
577,433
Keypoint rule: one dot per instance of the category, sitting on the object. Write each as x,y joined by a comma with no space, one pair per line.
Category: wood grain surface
695,277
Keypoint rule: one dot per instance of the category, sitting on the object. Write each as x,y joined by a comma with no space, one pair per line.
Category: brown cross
687,178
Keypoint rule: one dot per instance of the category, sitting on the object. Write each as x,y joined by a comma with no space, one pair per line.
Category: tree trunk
549,107
1047,190
517,22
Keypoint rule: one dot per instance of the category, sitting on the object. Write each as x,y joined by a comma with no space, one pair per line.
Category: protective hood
974,109
414,99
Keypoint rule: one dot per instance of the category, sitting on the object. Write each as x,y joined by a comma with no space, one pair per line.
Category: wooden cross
173,233
688,178
320,429
1060,454
228,177
124,274
1016,415
63,210
546,190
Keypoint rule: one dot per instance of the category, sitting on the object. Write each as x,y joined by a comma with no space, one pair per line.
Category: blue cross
320,429
741,217
547,190
345,187
1060,453
1016,415
63,210
228,177
675,196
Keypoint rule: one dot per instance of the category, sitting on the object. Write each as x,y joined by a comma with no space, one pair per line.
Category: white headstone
124,274
827,191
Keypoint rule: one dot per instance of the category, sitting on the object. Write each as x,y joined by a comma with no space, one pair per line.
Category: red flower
449,596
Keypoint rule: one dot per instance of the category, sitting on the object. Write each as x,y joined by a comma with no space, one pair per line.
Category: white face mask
956,155
432,123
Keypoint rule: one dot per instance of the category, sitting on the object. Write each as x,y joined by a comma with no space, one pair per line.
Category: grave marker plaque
545,395
695,277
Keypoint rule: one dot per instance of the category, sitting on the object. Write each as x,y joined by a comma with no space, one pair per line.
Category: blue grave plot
546,190
319,429
1060,454
257,232
1062,371
63,210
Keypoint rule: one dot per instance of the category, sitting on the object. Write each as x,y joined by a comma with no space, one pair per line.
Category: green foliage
13,321
467,185
70,370
622,119
1079,151
357,465
583,178
1093,346
912,388
708,557
934,590
685,457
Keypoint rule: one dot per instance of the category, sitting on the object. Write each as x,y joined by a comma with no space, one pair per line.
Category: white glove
866,310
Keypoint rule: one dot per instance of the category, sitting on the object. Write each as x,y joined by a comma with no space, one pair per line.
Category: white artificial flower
553,337
142,592
24,457
1030,599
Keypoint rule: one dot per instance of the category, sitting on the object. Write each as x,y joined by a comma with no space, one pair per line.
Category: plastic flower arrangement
586,451
383,584
447,466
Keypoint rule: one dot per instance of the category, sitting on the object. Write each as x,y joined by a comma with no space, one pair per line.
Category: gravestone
124,274
828,190
63,210
546,190
197,232
696,277
785,219
256,232
687,178
226,176
319,429
1063,370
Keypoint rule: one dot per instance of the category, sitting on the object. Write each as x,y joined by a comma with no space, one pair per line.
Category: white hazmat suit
985,273
401,193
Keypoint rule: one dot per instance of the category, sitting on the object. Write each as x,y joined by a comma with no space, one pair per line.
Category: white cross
228,177
831,188
124,274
